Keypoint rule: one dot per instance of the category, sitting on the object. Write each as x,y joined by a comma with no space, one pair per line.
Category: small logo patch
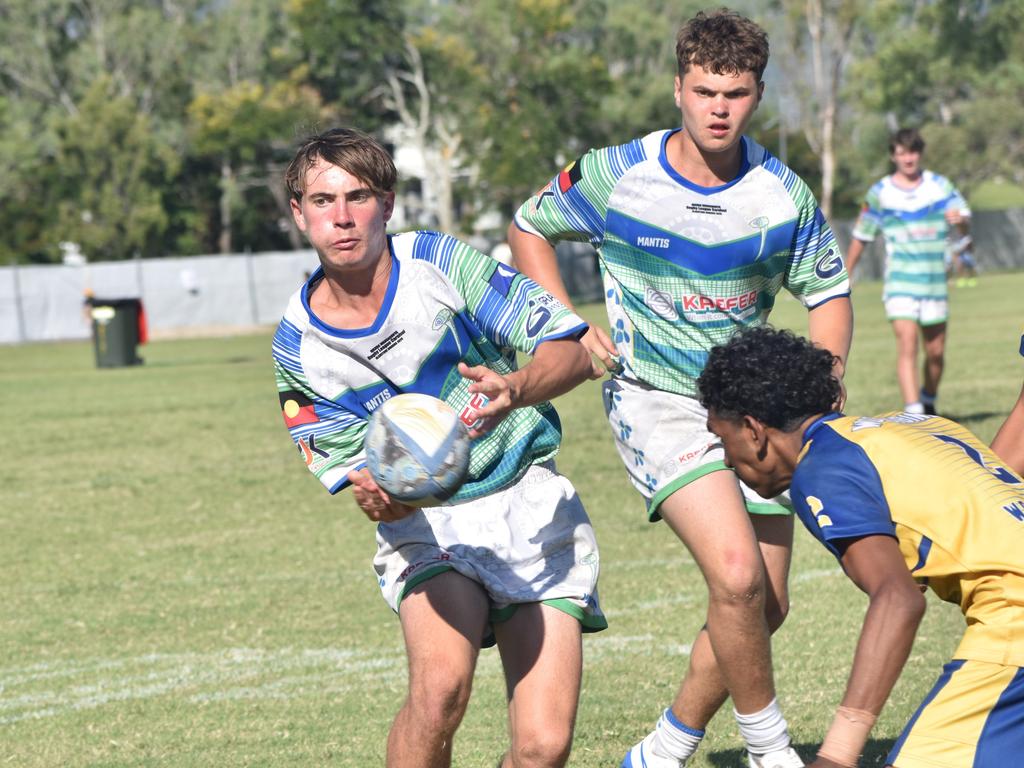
829,265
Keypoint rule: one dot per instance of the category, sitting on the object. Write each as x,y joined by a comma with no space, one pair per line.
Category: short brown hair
352,151
908,138
723,42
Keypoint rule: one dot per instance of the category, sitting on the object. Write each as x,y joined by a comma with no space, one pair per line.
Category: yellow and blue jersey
954,508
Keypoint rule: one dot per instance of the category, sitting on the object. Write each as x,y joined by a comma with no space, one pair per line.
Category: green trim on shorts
753,507
588,622
658,499
419,578
901,317
935,322
760,508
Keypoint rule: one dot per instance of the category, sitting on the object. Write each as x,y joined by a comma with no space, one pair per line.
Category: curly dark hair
723,42
775,376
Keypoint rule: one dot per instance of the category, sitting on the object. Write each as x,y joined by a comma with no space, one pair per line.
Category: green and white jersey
684,266
446,303
913,222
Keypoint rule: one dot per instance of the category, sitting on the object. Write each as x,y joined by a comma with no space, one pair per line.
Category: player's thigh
444,620
710,517
905,332
542,654
973,716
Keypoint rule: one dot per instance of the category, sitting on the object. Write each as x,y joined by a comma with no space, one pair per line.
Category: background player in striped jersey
905,502
697,230
1009,440
914,210
512,557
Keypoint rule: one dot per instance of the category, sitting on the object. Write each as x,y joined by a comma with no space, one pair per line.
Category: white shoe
784,758
642,756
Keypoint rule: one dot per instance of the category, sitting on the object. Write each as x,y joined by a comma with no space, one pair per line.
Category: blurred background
142,143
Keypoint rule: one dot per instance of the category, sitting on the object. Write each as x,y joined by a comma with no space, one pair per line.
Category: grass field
177,591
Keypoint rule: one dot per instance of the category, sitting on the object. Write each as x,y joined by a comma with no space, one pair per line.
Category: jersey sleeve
572,206
328,436
956,201
510,309
838,494
815,271
869,221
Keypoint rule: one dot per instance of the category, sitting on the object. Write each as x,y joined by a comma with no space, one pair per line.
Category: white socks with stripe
673,739
764,731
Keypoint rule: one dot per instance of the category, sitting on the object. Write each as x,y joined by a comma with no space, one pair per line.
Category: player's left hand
498,391
954,217
374,502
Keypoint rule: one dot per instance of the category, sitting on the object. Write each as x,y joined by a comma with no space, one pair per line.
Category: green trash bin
115,331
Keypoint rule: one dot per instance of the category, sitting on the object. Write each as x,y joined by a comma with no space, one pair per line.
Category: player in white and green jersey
511,558
697,230
916,211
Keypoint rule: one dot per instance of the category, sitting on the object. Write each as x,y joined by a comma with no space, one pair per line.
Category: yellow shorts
972,718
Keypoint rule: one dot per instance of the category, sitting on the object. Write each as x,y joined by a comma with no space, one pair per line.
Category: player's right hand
374,502
597,343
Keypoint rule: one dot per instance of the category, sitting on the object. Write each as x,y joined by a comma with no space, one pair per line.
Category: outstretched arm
535,257
556,367
895,609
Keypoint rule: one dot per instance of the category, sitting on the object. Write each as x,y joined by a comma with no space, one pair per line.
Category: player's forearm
853,254
891,622
830,325
1008,443
535,257
556,367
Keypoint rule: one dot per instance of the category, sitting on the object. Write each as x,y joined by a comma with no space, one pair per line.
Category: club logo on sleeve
571,174
501,279
297,409
829,265
818,511
537,319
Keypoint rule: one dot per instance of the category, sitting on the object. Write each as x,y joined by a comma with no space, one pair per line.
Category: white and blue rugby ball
417,449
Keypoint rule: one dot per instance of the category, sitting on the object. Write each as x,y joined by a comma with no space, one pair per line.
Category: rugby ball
417,449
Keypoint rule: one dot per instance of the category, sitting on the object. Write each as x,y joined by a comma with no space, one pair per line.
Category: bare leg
710,518
443,621
934,356
703,692
906,358
543,659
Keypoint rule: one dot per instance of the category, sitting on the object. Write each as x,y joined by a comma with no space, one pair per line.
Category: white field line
240,673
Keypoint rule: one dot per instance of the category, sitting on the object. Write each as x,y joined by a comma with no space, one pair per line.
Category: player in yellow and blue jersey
1009,441
905,502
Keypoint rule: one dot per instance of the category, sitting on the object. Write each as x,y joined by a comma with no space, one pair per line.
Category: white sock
917,407
764,731
673,739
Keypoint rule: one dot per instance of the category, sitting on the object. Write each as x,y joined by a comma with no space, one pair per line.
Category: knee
438,702
541,747
741,587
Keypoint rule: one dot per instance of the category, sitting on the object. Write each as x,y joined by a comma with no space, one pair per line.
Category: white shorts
663,440
921,311
529,543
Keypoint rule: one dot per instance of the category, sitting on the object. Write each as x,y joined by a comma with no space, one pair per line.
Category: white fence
228,293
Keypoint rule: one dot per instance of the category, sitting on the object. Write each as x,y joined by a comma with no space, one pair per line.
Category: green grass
177,591
997,195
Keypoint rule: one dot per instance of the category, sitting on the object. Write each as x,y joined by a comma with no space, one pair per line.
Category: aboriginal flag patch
569,176
297,409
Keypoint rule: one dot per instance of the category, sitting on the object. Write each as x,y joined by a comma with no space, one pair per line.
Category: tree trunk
227,187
